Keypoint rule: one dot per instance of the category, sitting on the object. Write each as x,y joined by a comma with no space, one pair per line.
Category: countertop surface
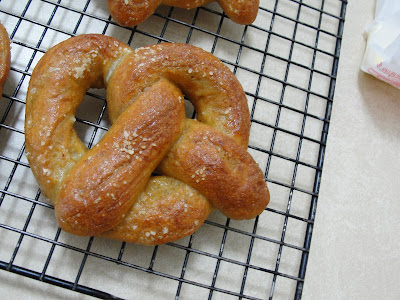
355,245
354,251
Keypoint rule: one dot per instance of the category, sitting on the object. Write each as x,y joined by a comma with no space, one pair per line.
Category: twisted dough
108,190
4,56
133,12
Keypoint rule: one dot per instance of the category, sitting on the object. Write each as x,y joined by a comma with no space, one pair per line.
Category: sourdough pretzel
133,12
109,190
4,56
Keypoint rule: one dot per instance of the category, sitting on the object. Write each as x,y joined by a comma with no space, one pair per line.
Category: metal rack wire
287,63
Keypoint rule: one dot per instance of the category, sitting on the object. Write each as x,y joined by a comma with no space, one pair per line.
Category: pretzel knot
109,190
133,12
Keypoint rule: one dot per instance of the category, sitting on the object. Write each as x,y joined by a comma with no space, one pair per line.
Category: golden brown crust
4,56
214,91
108,190
133,12
121,163
166,211
241,11
57,87
219,169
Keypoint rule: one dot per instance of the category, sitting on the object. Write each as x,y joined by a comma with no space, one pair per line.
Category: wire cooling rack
287,63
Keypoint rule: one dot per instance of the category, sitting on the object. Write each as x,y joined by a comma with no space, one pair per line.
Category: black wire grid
287,63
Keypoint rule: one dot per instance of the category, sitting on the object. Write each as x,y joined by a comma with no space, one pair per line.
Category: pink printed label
386,74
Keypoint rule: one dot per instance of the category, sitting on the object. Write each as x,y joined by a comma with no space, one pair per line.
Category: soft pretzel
108,190
133,12
4,56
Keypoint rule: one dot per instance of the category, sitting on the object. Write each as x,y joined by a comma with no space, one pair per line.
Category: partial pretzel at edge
4,56
133,12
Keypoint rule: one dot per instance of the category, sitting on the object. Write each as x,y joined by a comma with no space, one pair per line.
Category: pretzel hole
189,110
92,120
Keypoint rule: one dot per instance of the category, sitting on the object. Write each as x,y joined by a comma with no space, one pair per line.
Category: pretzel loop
108,190
220,103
